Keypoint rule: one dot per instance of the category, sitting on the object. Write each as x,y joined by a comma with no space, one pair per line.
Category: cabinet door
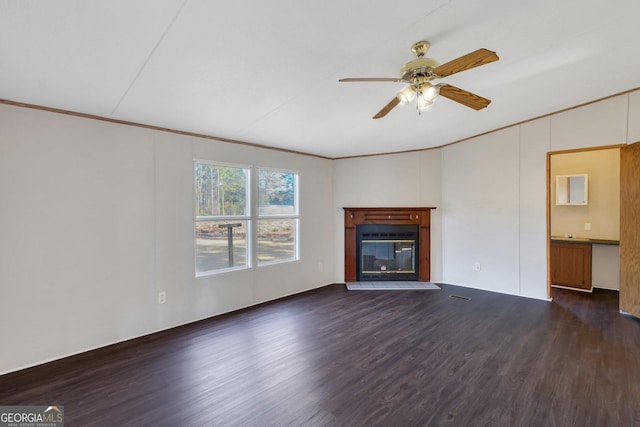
571,265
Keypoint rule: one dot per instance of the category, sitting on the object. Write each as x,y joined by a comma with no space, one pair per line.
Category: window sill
221,271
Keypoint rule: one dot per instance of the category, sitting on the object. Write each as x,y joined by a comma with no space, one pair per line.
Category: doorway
583,237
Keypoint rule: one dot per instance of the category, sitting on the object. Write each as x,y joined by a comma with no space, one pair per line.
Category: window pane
221,190
277,240
276,192
214,250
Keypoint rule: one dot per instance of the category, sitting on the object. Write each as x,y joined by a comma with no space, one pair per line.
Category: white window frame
295,216
247,217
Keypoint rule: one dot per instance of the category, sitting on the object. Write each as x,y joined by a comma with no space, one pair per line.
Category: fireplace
387,244
387,252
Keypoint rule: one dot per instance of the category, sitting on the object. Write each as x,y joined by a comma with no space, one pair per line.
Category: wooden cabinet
571,264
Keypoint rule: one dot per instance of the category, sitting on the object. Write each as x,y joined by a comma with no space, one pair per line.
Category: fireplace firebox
387,244
387,252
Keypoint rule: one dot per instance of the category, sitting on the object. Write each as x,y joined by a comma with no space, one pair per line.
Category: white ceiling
266,72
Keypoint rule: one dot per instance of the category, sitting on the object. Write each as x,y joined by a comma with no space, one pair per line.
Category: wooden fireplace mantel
356,216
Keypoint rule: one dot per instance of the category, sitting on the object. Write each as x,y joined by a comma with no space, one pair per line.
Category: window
278,217
223,219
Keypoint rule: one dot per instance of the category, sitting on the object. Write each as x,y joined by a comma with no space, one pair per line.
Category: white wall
594,125
534,143
96,218
605,266
407,179
492,196
506,231
481,212
633,123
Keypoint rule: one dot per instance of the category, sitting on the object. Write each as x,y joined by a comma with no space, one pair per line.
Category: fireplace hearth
387,244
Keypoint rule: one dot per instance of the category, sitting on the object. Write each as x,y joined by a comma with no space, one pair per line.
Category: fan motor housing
421,67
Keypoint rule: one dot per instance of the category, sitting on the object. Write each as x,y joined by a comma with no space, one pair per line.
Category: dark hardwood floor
333,357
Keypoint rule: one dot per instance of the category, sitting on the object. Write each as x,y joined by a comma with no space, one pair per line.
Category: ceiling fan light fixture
406,95
424,103
419,73
430,92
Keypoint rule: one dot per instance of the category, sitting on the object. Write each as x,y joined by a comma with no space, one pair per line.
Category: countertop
584,240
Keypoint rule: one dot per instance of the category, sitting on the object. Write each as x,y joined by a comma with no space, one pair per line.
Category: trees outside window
222,223
278,217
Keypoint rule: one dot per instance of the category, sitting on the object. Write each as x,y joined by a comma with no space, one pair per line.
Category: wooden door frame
549,154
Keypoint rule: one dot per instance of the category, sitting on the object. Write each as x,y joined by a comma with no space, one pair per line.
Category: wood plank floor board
333,357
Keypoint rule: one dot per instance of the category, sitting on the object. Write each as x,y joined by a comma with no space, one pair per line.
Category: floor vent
460,297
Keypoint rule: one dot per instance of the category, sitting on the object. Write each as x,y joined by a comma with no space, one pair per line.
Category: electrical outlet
162,297
587,226
477,266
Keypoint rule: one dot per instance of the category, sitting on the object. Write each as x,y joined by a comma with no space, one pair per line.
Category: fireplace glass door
388,257
387,252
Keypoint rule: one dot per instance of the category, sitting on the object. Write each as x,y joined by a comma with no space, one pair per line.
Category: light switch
587,226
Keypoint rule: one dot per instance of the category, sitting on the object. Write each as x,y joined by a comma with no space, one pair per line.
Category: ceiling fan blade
390,106
466,62
370,79
468,99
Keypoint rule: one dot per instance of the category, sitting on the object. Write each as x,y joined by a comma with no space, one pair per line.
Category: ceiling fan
420,72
